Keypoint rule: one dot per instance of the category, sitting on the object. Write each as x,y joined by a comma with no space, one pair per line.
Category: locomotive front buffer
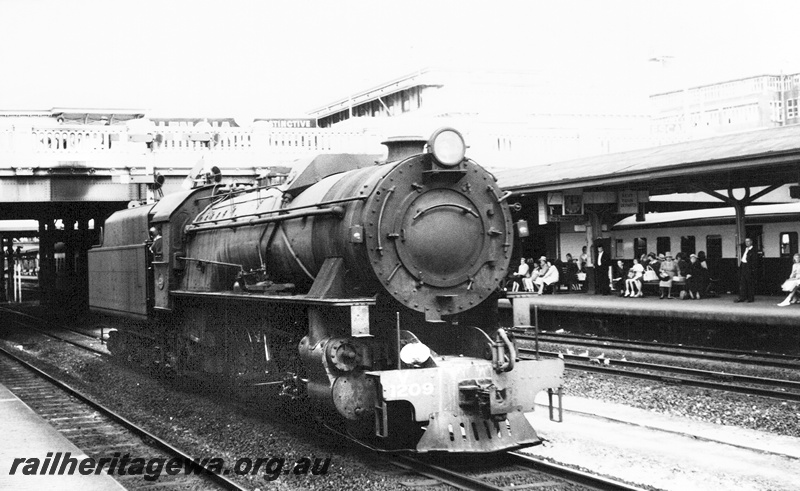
468,405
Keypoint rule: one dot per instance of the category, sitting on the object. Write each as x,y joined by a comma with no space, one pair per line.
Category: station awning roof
18,226
754,158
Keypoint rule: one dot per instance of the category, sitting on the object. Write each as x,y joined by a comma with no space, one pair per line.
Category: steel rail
748,379
689,382
441,474
475,483
717,354
574,475
129,425
39,319
51,335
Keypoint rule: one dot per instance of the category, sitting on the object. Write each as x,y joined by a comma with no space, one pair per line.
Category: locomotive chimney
401,147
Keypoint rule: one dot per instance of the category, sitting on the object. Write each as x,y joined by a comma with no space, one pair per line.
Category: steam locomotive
365,291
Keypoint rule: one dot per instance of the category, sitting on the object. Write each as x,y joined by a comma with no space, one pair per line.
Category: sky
260,58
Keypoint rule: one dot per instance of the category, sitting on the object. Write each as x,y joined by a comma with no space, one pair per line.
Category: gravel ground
204,426
753,412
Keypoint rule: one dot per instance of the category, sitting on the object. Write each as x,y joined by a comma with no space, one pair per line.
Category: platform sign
627,202
573,204
289,123
555,206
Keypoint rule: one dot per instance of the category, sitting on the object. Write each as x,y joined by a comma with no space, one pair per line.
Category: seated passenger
572,271
667,271
791,285
696,278
618,276
521,272
533,273
633,284
701,259
548,275
644,260
683,264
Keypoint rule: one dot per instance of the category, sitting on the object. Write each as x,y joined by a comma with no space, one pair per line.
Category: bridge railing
52,145
114,146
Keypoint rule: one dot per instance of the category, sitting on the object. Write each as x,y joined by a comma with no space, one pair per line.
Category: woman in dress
696,278
522,271
533,273
667,271
792,283
633,285
548,276
619,275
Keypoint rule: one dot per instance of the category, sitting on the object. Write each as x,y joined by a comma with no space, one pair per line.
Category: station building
762,101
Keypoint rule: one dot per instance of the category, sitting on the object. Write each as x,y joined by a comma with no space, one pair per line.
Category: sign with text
289,123
627,202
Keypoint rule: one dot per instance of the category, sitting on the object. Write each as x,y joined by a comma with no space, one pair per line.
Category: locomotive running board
294,299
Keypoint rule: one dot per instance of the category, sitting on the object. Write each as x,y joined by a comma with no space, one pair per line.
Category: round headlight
415,354
447,146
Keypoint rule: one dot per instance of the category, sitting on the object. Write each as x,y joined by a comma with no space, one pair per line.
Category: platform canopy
18,226
765,157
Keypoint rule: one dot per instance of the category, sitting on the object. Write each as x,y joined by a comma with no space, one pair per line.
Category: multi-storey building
762,101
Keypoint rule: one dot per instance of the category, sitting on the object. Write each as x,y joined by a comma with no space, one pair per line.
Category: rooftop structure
763,101
510,119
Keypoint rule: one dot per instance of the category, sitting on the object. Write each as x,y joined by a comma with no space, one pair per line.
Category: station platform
27,436
722,309
714,322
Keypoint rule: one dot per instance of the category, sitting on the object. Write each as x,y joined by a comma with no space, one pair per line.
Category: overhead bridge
69,171
51,161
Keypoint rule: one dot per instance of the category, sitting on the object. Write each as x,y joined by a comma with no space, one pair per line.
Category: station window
663,245
791,108
639,246
687,245
619,248
714,246
788,243
405,101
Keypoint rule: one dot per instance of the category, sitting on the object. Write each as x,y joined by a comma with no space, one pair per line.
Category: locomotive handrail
283,210
380,220
336,210
463,208
235,192
208,261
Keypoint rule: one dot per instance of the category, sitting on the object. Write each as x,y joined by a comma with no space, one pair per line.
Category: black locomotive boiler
360,289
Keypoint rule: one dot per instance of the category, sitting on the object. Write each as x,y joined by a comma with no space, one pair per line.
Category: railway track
775,388
498,472
100,432
61,333
700,352
518,471
779,389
